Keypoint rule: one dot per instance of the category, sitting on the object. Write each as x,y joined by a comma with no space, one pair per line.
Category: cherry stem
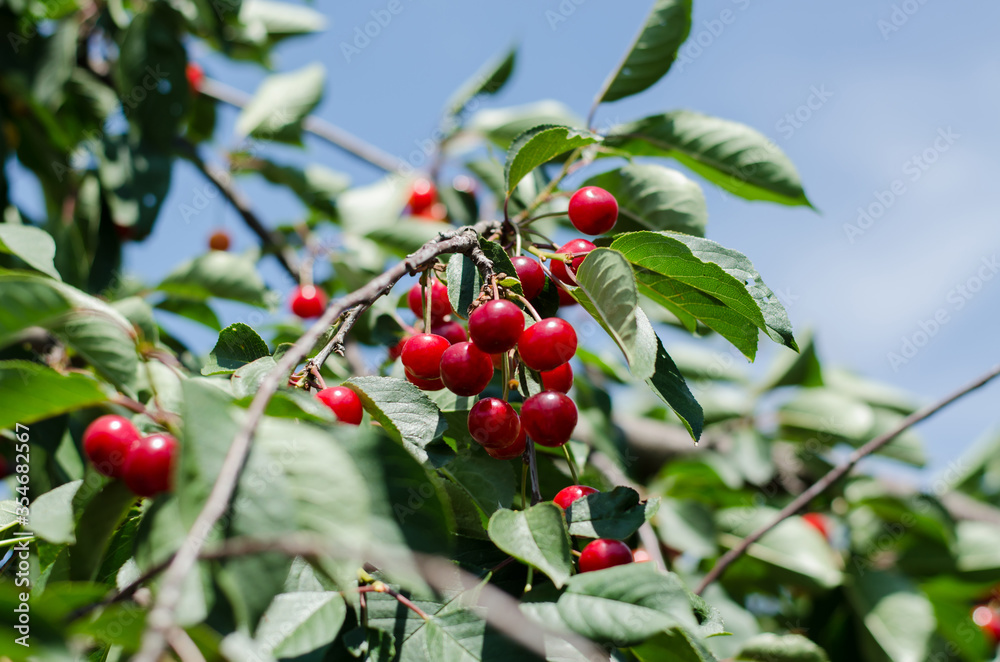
536,491
527,304
549,190
506,376
531,577
528,221
425,281
496,291
571,463
524,485
379,587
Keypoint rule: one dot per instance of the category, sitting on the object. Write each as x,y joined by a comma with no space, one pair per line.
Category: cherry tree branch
336,343
162,616
839,472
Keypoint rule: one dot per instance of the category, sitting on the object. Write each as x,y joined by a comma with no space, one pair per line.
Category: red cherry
308,301
149,468
819,522
422,195
604,553
424,384
549,417
558,379
440,306
592,210
496,325
422,355
465,369
195,76
436,213
568,495
450,331
494,423
498,360
531,275
565,298
219,241
547,344
988,621
107,442
515,449
559,267
344,402
397,350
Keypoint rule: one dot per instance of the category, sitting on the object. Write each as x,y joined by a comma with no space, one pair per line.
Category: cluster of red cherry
116,449
603,552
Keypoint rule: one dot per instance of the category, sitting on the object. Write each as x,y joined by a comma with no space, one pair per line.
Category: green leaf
238,345
625,604
281,103
898,619
977,551
616,514
503,125
216,274
489,80
540,145
27,301
32,245
651,197
135,178
405,412
465,282
686,525
769,647
729,154
193,310
105,341
801,369
488,483
404,236
297,623
653,51
32,392
277,19
52,517
668,384
536,536
674,645
676,278
316,185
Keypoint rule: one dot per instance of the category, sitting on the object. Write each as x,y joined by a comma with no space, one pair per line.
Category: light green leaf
216,274
281,103
674,645
105,342
502,125
616,514
536,536
52,517
26,301
898,619
193,310
238,345
31,392
651,197
769,647
540,145
135,179
489,80
280,18
729,154
32,245
405,412
297,623
316,185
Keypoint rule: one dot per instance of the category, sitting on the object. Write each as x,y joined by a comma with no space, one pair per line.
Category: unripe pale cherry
568,495
558,379
149,468
494,423
604,553
466,370
422,355
440,306
344,403
547,344
569,248
531,275
496,326
106,443
549,418
308,301
592,210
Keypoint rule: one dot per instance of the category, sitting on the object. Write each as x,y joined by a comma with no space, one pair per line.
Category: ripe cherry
515,449
819,522
440,306
559,268
422,195
344,402
422,355
465,369
149,468
531,275
308,301
397,350
450,331
568,495
549,418
565,298
592,210
107,442
496,326
988,621
604,553
424,384
436,213
547,344
219,241
558,379
494,423
195,76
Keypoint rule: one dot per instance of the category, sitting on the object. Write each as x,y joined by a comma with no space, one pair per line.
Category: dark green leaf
32,245
488,483
135,178
536,536
674,645
651,197
193,310
238,345
616,514
540,145
487,81
32,392
668,383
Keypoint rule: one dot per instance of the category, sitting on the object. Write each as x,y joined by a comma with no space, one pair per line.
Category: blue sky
887,82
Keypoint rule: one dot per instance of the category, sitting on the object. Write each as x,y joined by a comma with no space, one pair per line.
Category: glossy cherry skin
819,522
547,344
219,241
465,369
565,298
422,355
604,553
149,468
494,423
440,306
568,495
570,247
558,379
549,418
592,210
424,384
308,301
531,275
496,326
453,332
514,450
344,402
423,195
397,350
107,442
195,76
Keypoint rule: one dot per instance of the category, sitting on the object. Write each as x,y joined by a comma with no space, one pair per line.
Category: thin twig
336,343
162,616
536,491
839,472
